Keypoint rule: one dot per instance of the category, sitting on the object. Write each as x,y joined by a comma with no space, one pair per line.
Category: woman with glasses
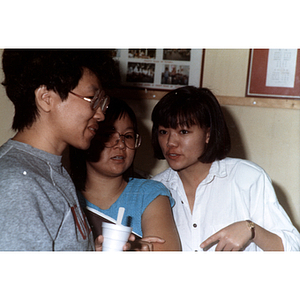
102,175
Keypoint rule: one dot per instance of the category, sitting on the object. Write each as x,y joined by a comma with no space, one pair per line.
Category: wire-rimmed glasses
131,139
98,100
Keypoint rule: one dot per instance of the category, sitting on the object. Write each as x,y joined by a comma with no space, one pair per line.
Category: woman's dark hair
59,70
78,158
189,106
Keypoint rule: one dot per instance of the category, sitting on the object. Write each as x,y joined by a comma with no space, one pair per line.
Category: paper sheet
281,68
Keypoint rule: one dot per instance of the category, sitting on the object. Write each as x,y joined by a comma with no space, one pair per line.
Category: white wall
6,111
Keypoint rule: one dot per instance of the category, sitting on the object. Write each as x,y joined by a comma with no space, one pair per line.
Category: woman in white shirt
221,203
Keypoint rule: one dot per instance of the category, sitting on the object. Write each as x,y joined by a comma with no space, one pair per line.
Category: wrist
251,227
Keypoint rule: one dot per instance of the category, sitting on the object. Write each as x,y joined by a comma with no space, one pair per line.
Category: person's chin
175,166
84,145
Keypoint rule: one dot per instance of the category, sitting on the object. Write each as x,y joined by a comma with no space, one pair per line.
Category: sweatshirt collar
43,155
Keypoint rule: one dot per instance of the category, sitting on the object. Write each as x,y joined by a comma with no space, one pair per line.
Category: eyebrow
128,129
92,88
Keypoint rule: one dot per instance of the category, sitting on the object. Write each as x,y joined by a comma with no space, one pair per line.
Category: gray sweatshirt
39,209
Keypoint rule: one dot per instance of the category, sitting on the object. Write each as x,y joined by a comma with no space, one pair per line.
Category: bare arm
158,221
236,237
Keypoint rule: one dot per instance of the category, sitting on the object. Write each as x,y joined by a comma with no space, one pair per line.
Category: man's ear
43,98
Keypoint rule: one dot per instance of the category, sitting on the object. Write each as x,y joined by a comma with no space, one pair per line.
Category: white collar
217,169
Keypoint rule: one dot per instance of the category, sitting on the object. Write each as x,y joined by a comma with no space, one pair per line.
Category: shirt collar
217,169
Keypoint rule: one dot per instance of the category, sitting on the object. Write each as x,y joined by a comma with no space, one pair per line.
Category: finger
131,237
220,246
228,247
145,246
211,240
98,243
127,247
153,239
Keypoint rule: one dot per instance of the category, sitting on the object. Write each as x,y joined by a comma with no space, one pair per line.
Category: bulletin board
274,73
257,94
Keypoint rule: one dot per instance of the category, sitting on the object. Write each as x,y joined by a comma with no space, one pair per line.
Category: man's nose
99,115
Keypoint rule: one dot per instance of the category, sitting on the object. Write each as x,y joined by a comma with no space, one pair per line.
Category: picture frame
274,73
163,69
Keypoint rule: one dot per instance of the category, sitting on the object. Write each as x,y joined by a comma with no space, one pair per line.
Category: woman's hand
234,237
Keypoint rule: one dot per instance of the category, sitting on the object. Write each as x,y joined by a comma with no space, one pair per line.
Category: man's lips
93,128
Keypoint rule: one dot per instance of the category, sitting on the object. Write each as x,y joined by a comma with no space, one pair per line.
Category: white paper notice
281,68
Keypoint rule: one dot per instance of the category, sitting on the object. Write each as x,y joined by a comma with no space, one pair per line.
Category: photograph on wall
140,72
274,73
159,68
175,75
177,54
142,53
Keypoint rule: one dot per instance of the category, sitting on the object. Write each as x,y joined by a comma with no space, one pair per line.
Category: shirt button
182,202
194,225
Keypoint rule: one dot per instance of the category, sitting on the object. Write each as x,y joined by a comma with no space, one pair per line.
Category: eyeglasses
98,100
131,140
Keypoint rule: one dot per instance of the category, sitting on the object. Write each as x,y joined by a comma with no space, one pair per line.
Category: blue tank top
137,195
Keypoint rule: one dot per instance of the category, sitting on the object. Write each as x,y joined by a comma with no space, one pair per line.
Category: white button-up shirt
234,190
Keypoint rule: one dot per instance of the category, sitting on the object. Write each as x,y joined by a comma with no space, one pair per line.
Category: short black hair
78,158
59,70
189,106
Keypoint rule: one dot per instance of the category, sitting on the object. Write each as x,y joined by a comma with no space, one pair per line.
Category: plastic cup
115,236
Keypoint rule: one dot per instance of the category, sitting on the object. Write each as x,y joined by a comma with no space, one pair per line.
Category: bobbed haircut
78,158
59,70
189,106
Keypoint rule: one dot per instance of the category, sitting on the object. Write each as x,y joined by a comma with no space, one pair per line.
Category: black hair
78,158
59,70
189,106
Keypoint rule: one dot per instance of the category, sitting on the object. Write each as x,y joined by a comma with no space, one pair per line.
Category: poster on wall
159,68
274,73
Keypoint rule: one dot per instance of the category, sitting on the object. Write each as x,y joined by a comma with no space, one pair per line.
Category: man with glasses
59,99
